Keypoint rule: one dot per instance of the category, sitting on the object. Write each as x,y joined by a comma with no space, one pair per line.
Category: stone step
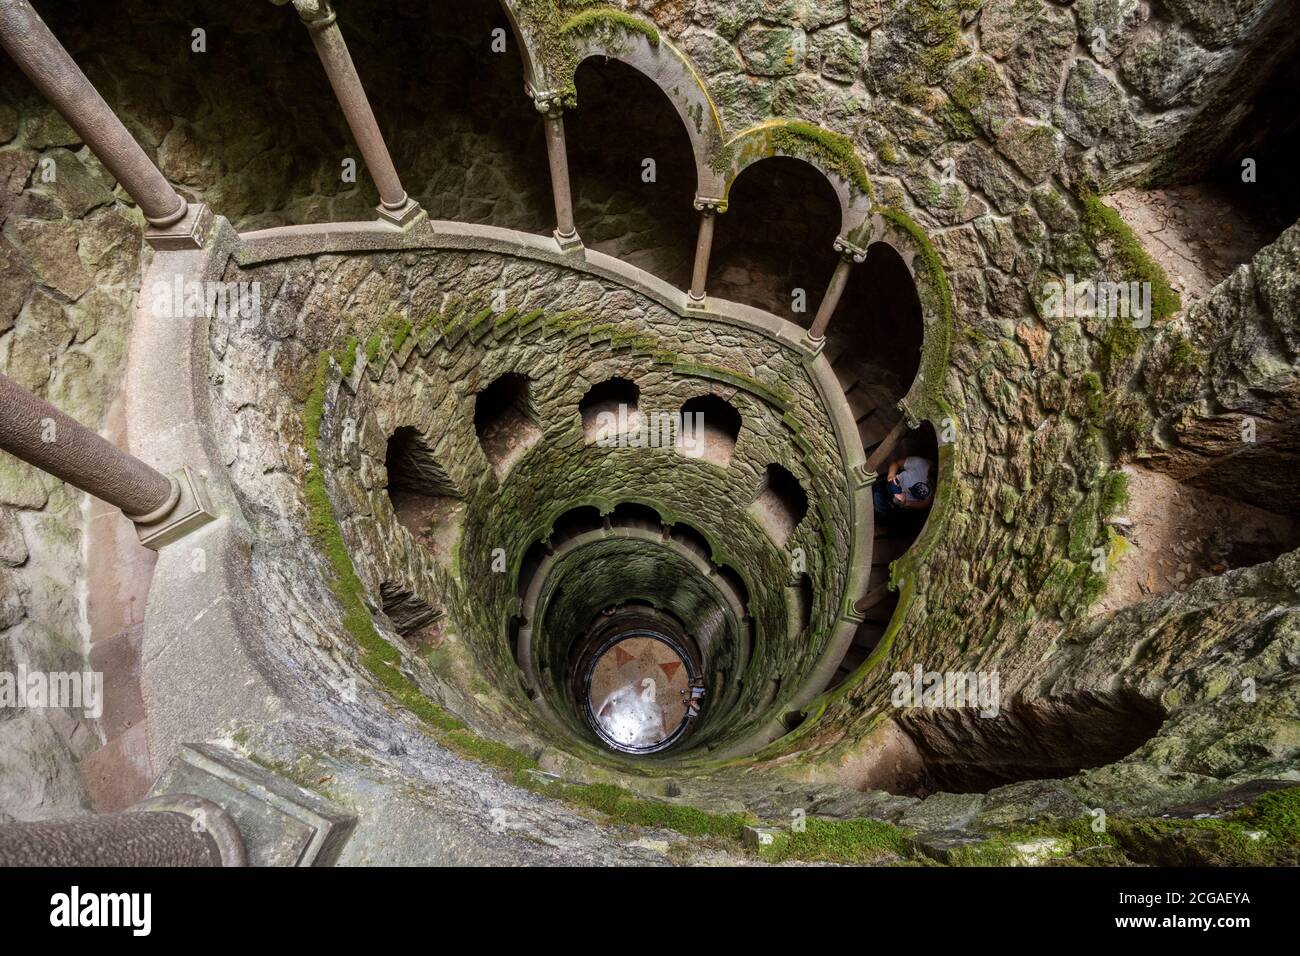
118,659
873,429
845,376
860,403
118,775
868,635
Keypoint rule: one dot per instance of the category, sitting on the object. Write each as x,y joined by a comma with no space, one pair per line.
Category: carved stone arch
529,53
924,398
829,153
670,70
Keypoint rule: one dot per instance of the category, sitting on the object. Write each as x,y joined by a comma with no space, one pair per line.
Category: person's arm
894,466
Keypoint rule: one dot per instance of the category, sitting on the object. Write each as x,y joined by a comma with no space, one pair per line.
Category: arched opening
631,514
610,409
800,598
710,428
691,539
425,500
410,615
780,505
576,521
464,135
913,458
874,341
774,248
736,583
959,738
505,421
632,170
530,564
1177,532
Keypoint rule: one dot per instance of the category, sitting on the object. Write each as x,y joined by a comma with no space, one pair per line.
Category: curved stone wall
564,331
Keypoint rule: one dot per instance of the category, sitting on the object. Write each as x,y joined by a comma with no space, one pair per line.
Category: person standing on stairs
908,487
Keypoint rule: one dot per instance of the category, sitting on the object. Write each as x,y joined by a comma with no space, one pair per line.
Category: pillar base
192,510
281,823
190,232
863,477
567,243
697,305
811,347
399,217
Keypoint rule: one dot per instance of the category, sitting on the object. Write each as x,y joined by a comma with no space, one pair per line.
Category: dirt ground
1178,534
1195,232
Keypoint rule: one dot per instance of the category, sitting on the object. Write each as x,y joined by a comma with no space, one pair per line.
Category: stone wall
70,262
984,121
566,332
1222,384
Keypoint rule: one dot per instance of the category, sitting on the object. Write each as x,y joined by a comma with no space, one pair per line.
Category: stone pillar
322,23
849,256
557,155
35,431
174,830
709,208
174,224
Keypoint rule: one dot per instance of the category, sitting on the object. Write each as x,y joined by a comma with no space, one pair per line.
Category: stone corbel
316,14
187,508
550,103
187,231
863,477
849,252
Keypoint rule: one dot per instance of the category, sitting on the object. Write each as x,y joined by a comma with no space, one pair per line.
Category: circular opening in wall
642,692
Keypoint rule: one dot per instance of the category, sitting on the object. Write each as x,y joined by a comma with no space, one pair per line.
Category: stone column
322,23
709,208
174,224
849,256
174,830
38,433
557,154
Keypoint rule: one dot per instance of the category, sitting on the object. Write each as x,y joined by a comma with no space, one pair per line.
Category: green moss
394,330
1094,397
939,21
376,655
1120,344
1278,814
620,807
1075,836
828,150
1186,361
861,841
590,21
777,396
1232,840
971,87
1114,493
553,25
958,122
1100,222
1130,421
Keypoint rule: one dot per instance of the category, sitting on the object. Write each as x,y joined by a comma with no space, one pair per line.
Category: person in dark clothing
907,487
